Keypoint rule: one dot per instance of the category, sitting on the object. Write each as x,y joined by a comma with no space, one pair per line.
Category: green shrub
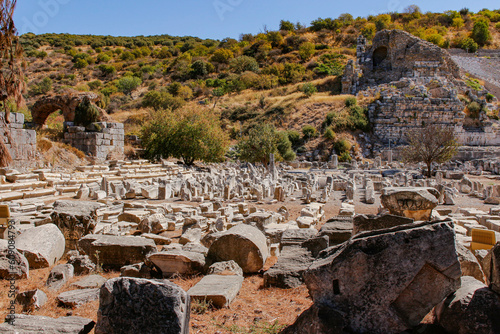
329,134
86,113
350,101
309,131
242,64
81,63
469,45
107,69
308,89
162,100
341,146
294,137
474,109
93,85
103,58
128,84
474,84
306,50
284,146
345,157
489,97
497,26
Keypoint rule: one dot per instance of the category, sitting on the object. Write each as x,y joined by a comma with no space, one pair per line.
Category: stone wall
106,141
22,142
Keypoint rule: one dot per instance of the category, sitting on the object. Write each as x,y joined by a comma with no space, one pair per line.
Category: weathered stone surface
35,324
410,202
116,251
468,263
493,274
59,275
363,223
317,319
420,269
287,272
31,300
137,270
220,290
42,246
471,309
225,268
338,229
134,305
76,298
178,262
75,219
244,244
295,237
89,282
18,270
155,223
81,263
190,235
158,239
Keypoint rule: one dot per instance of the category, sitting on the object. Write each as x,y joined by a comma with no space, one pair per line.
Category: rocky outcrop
420,268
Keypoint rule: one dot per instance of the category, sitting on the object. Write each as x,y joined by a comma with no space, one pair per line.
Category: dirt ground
256,309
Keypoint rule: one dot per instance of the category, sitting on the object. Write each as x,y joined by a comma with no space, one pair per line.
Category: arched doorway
379,55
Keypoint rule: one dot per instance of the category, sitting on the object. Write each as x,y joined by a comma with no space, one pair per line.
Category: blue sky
202,18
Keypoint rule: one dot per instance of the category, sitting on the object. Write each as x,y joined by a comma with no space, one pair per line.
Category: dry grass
58,154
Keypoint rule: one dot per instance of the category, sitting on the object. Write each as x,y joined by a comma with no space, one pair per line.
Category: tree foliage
189,134
263,140
432,143
128,84
86,113
480,32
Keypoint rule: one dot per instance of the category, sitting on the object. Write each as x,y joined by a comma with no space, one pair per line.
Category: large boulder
386,281
287,272
35,324
468,263
471,309
492,268
178,262
59,275
42,246
338,229
135,305
410,202
75,219
116,251
244,244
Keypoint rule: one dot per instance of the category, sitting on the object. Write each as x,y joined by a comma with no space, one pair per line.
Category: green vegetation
474,84
263,140
86,113
309,131
308,89
189,134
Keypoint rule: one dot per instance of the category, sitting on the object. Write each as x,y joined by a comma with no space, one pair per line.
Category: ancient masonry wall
99,144
22,142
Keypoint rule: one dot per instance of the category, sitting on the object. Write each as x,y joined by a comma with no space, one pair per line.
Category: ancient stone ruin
21,142
417,83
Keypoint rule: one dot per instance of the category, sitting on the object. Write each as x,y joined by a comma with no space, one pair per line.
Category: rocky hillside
290,77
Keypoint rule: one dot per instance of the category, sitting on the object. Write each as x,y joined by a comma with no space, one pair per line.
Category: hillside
258,78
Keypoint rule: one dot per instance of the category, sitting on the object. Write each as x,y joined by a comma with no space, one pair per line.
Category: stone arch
379,55
67,103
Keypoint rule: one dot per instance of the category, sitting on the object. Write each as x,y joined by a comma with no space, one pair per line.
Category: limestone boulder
338,229
135,305
471,309
59,275
89,282
469,263
420,268
178,262
411,202
225,268
287,272
42,246
116,251
220,290
492,268
31,300
81,263
76,298
244,244
155,223
75,219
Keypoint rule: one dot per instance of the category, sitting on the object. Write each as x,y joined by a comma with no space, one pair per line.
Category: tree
432,143
480,32
244,63
287,25
263,140
12,84
306,50
189,134
162,100
222,56
86,113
